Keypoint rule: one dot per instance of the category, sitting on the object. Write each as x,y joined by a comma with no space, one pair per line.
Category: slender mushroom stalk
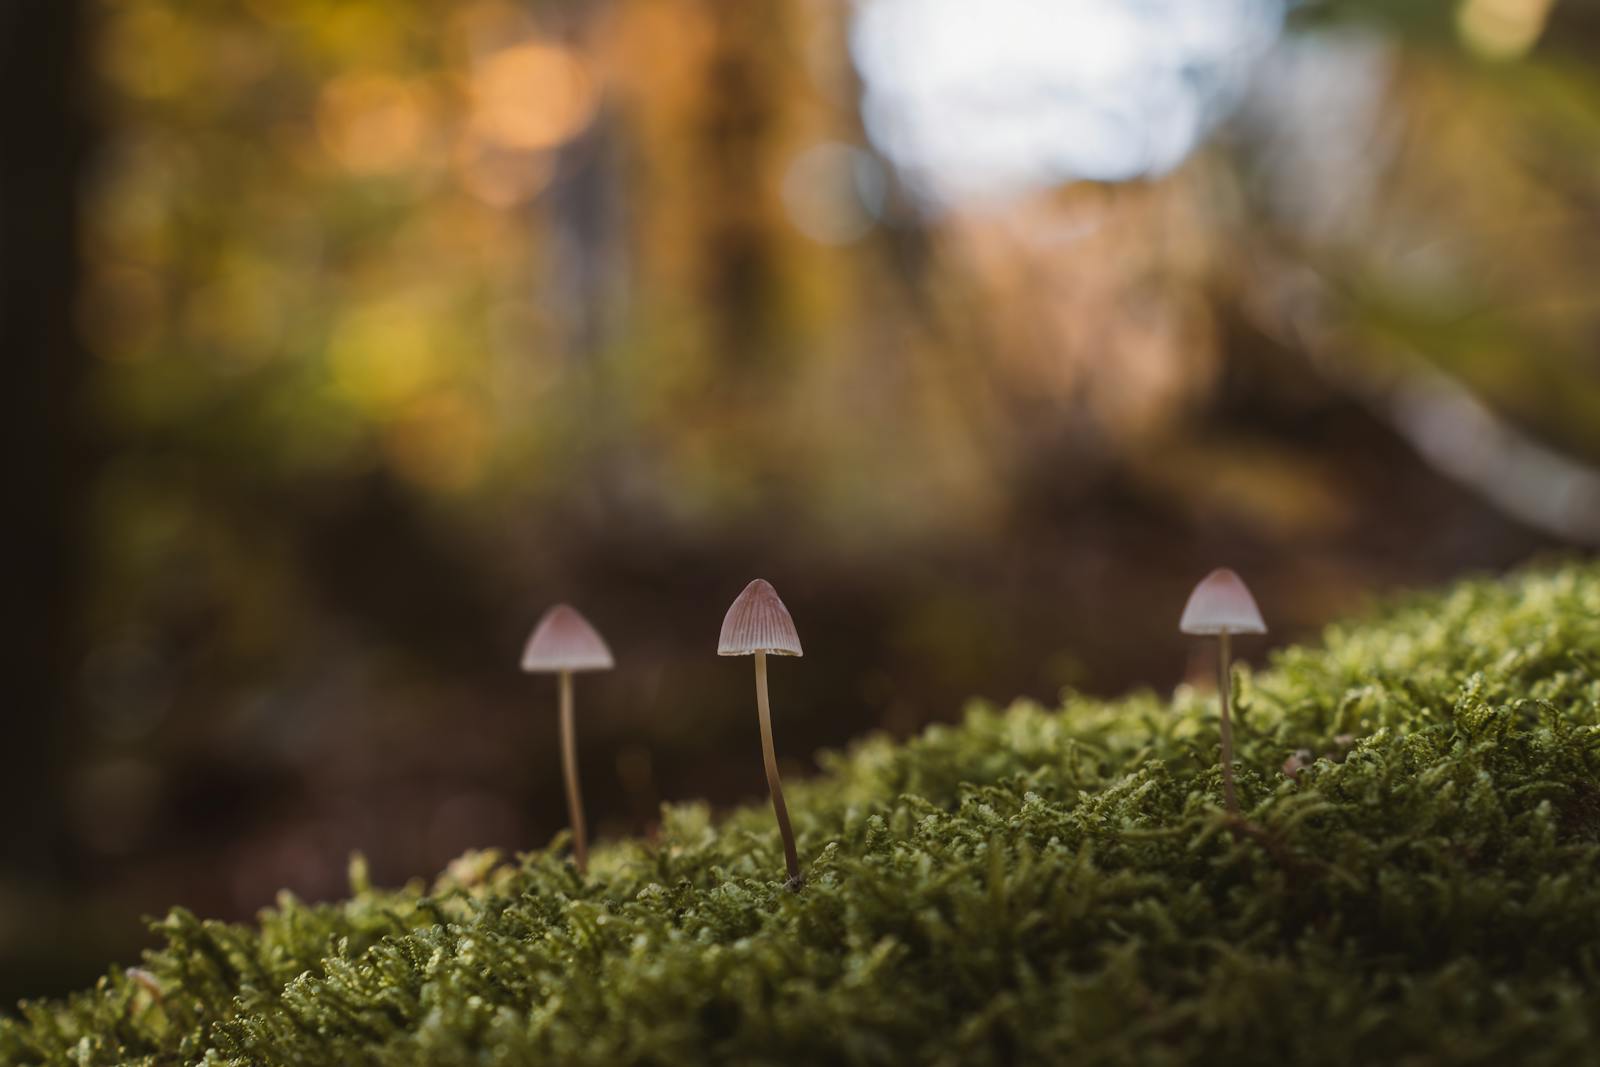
1221,605
769,758
758,624
569,773
562,644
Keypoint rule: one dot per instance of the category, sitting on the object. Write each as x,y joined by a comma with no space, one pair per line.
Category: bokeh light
1502,29
985,100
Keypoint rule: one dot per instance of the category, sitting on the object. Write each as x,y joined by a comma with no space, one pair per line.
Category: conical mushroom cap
758,622
564,641
1222,602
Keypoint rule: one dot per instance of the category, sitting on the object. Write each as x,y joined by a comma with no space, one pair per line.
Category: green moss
1031,886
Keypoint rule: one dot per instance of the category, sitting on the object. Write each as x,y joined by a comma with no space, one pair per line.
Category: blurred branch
1464,438
1442,420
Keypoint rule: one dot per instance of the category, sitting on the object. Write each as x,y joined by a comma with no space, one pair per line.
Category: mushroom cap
564,641
758,622
1222,602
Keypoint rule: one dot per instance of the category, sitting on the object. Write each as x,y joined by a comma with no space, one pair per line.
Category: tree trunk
42,121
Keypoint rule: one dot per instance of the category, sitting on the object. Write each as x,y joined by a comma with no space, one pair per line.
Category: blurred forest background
343,338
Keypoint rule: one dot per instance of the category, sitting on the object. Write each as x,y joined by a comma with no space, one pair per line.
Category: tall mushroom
1222,605
758,624
562,644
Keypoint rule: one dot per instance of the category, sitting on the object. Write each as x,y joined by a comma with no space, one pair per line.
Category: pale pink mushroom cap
1220,603
564,641
758,622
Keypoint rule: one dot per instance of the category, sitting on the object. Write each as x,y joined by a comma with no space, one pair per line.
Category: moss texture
1030,886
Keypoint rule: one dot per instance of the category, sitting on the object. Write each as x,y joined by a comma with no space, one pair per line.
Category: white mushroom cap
564,641
758,622
1220,603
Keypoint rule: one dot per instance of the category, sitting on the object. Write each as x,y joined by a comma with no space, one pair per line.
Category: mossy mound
1031,886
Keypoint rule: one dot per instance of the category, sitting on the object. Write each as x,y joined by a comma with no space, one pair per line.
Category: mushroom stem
569,769
1224,690
769,756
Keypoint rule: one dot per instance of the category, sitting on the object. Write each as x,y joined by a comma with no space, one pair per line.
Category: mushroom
1222,605
758,624
562,644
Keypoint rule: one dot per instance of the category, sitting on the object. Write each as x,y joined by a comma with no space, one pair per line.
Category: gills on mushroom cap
758,622
564,641
1222,602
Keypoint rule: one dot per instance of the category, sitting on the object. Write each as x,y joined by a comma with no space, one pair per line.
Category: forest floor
1413,879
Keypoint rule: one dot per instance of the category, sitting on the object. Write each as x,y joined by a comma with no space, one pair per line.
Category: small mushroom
758,624
1221,605
562,644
